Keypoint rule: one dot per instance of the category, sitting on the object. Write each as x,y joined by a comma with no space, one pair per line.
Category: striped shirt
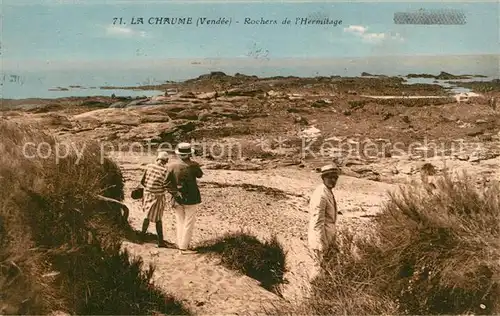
157,179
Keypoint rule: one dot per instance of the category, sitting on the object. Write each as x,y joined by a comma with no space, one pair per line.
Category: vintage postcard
224,157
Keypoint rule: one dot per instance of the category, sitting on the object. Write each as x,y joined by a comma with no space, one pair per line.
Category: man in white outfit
322,215
185,205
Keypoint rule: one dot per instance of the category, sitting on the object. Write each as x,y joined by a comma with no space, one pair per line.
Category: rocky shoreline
260,143
283,121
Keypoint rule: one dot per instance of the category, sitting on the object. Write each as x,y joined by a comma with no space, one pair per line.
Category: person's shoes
140,238
162,244
187,251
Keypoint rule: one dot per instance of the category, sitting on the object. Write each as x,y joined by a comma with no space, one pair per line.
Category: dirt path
262,203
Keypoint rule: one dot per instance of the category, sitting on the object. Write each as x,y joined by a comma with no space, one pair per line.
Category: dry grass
242,252
59,244
443,248
430,252
347,284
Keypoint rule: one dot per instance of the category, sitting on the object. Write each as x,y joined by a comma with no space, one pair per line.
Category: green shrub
430,252
112,283
354,104
242,252
59,243
442,248
348,285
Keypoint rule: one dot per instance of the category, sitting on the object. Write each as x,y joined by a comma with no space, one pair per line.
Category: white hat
184,149
162,155
329,169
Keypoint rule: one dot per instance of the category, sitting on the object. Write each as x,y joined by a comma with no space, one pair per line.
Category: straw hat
184,149
331,168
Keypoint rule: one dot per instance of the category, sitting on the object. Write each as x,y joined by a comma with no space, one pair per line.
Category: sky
48,33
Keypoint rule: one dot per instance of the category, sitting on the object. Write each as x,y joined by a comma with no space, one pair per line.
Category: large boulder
207,95
154,102
275,94
244,92
109,116
164,108
204,115
118,105
187,115
228,112
44,120
160,98
187,95
235,98
138,102
159,132
217,103
366,172
155,118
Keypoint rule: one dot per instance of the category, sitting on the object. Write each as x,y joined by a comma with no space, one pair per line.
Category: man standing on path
323,215
186,171
157,180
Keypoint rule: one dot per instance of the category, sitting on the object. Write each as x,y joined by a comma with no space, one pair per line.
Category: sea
73,81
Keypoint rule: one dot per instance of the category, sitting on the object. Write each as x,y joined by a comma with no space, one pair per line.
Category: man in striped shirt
157,181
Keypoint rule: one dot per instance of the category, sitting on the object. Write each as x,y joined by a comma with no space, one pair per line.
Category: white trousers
185,217
316,266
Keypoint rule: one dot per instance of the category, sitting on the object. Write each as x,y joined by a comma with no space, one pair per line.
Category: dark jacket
186,173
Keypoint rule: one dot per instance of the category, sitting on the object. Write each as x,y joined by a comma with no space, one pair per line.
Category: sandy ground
209,288
231,203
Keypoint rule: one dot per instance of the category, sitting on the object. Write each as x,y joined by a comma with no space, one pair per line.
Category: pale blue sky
63,30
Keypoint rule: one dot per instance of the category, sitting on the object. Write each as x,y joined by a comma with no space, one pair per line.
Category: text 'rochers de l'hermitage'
225,21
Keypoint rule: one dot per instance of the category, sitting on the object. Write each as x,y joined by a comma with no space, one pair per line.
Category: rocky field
261,141
284,121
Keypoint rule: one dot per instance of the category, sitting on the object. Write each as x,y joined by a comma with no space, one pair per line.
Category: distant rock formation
442,76
447,76
420,76
59,89
212,75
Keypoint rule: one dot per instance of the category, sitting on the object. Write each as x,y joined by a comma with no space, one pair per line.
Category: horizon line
111,2
239,58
